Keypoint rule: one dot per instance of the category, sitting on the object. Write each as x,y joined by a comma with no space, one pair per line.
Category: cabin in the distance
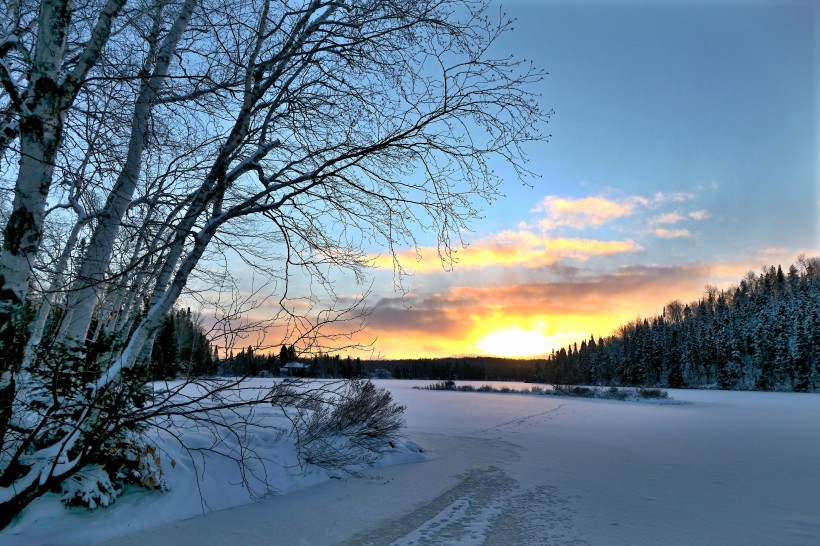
295,369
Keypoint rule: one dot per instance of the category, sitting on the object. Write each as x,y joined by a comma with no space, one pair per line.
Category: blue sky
716,100
684,151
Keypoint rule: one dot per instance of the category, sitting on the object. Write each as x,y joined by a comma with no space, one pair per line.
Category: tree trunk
45,104
83,297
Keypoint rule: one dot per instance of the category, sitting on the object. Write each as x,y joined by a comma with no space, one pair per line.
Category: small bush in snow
652,393
614,393
131,460
90,487
123,461
352,427
448,385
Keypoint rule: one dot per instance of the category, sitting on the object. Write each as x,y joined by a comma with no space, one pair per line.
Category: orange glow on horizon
504,334
518,336
529,319
515,342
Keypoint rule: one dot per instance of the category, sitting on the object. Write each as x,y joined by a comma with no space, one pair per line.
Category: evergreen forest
760,334
763,334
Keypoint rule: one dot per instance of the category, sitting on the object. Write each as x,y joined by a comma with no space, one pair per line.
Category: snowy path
458,497
486,507
729,468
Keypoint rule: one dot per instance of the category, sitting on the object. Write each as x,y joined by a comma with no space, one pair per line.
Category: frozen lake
721,468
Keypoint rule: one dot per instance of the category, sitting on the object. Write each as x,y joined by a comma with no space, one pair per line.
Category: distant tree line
763,333
182,349
477,368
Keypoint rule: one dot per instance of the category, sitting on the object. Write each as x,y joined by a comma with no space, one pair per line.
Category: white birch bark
330,163
42,112
83,296
44,106
57,284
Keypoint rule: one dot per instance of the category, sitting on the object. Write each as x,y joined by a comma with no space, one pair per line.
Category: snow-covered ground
721,468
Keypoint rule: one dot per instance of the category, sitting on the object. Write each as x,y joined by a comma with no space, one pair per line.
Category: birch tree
300,128
44,66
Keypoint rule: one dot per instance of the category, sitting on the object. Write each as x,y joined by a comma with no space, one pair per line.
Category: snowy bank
205,470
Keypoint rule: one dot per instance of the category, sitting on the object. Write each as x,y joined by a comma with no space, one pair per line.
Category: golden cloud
585,212
511,248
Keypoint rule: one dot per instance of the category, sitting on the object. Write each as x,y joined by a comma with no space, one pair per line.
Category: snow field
724,468
715,467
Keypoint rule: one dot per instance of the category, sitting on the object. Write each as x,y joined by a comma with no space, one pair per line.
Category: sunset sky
683,151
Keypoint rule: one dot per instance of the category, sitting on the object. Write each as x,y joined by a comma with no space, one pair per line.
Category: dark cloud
431,315
629,287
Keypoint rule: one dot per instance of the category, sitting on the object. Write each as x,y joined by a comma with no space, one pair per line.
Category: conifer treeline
762,334
181,348
469,368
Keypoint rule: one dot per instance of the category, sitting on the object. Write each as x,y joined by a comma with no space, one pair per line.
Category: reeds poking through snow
607,393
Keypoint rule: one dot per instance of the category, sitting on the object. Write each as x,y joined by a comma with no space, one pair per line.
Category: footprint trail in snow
486,507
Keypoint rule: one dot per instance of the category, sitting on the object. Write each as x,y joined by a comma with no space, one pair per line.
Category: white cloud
676,197
673,233
667,218
585,212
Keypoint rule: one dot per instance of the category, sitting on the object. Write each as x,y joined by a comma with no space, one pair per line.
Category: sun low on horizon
515,342
682,153
509,336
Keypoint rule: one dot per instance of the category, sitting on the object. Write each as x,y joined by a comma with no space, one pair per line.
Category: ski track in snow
522,423
486,507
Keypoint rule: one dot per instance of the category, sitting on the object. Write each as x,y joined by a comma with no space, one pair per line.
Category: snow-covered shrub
90,487
145,469
351,427
614,393
448,385
123,461
652,393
